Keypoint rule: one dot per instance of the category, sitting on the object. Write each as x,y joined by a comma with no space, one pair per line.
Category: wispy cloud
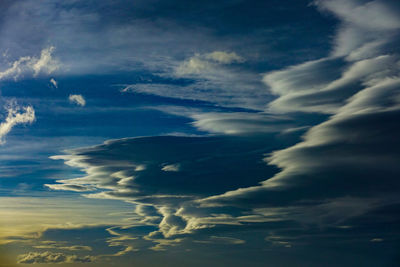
215,77
342,169
15,115
44,64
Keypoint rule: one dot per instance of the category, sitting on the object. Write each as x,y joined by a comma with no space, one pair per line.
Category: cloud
105,169
342,173
15,117
223,57
364,52
51,257
45,64
206,64
365,25
61,246
161,193
210,77
171,167
70,187
222,240
54,82
238,123
372,15
77,99
221,121
328,96
344,167
26,219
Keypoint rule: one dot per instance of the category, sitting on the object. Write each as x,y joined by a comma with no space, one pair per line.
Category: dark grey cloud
136,167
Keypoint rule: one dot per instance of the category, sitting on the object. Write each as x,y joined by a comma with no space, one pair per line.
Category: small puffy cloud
54,82
16,115
77,99
171,167
51,257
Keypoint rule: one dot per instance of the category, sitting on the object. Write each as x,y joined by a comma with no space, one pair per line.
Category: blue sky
219,133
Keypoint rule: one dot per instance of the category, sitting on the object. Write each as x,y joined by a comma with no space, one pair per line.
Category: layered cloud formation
48,257
273,145
343,173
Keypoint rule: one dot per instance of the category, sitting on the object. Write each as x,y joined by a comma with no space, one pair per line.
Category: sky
199,133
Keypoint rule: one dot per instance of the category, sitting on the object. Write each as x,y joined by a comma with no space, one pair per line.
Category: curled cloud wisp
16,115
44,64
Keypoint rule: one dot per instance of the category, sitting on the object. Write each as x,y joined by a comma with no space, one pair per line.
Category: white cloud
171,167
322,95
362,24
373,15
77,99
213,79
54,82
237,123
32,65
224,57
16,68
46,63
194,65
14,117
70,187
207,64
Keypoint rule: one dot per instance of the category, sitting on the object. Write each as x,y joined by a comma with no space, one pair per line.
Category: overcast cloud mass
205,133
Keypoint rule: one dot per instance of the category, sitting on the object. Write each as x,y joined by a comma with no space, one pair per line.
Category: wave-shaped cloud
343,172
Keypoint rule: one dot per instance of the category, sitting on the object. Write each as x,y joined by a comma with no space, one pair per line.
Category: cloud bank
342,174
50,257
